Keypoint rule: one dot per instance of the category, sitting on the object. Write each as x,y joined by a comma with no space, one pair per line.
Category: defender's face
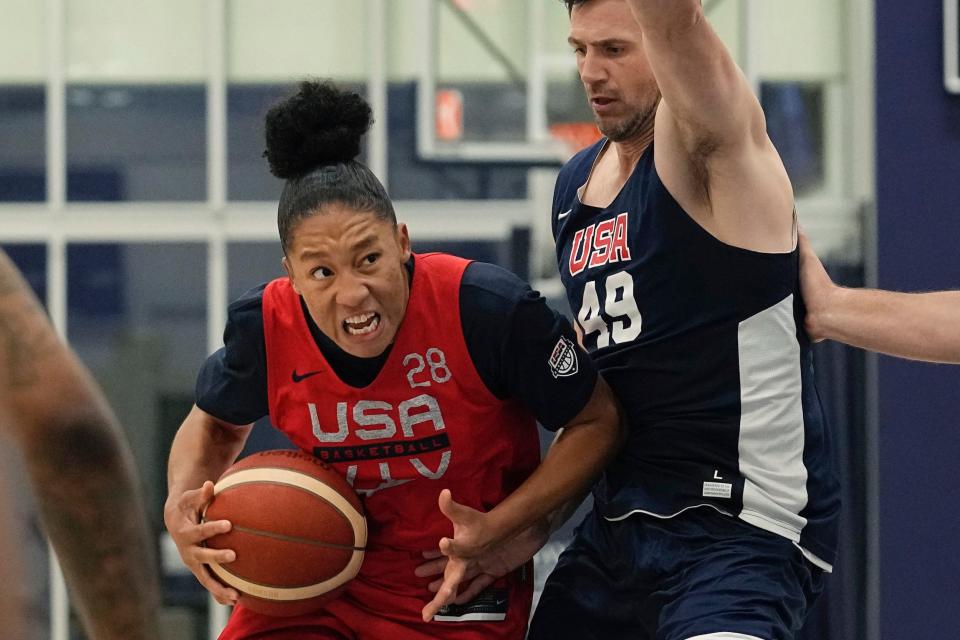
613,67
349,267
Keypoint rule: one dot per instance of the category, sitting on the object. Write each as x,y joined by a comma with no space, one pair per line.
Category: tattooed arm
80,467
11,614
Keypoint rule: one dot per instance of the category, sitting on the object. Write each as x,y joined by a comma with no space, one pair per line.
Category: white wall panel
726,17
462,57
22,42
162,41
291,39
135,41
800,40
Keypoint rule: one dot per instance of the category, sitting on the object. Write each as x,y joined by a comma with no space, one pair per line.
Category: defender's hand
468,556
817,289
489,568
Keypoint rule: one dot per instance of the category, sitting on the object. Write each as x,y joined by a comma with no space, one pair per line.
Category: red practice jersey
426,423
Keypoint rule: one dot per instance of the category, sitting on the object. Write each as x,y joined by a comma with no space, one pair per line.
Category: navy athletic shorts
699,573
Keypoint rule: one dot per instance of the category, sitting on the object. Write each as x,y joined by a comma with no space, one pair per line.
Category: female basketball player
410,374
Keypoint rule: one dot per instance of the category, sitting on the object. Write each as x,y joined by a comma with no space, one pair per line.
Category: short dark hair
313,140
571,3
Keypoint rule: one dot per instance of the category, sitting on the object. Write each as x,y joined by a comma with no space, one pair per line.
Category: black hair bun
319,125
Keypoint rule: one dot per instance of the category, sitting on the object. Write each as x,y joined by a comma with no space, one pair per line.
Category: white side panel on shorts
725,636
771,422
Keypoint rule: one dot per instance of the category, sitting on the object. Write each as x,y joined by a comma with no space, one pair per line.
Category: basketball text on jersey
426,422
563,359
599,244
374,422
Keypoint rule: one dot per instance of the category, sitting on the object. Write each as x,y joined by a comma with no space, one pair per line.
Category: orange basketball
298,531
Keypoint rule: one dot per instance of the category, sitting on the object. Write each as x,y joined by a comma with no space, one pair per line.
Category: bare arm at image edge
11,570
81,469
918,326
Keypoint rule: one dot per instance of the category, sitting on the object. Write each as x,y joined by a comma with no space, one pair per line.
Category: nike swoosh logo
563,215
297,378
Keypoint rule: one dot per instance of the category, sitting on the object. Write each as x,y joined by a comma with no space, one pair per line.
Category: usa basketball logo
563,360
600,244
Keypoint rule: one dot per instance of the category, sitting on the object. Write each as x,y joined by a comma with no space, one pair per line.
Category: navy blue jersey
510,332
703,344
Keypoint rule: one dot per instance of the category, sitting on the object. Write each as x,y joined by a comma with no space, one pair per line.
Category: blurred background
134,197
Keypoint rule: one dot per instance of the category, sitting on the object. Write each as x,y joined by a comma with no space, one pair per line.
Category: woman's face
349,267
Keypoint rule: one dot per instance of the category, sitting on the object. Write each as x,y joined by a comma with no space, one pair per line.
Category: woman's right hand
182,517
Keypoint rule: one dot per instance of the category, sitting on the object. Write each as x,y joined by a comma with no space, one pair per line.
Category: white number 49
619,305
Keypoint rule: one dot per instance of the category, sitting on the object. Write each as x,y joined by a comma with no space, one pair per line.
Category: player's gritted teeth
362,324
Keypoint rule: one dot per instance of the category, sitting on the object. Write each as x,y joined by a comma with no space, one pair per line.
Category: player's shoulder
490,296
245,313
493,282
249,302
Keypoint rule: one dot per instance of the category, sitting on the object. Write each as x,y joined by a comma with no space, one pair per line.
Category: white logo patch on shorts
563,360
490,606
717,490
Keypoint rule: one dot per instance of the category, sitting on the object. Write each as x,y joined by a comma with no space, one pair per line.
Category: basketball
298,531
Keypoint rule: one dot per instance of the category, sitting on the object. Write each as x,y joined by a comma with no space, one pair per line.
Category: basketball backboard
470,46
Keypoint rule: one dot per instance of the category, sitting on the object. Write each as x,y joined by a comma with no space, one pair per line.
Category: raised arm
918,326
712,148
81,469
705,94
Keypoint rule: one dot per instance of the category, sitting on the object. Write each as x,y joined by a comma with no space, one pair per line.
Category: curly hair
313,140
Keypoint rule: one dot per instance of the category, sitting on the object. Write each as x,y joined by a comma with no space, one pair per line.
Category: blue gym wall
918,185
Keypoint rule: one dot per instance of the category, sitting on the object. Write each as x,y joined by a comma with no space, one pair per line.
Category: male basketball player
919,326
81,472
676,241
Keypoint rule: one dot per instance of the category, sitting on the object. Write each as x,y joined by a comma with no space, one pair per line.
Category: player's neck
628,152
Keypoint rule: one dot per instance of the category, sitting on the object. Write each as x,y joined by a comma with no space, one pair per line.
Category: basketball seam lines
287,485
291,486
285,538
254,475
